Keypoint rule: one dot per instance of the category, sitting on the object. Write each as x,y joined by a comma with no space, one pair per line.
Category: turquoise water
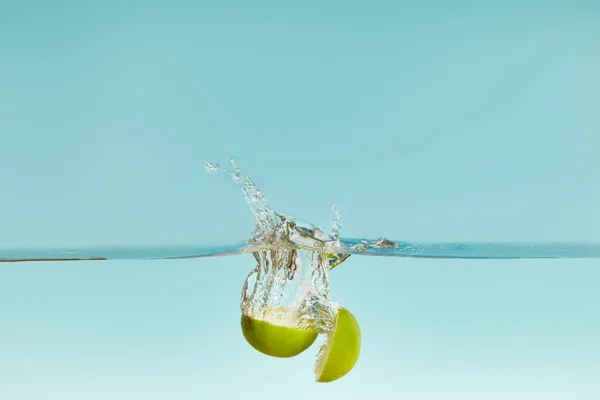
434,122
488,251
313,292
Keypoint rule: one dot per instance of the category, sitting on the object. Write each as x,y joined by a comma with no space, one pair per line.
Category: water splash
293,258
274,231
266,220
289,281
335,225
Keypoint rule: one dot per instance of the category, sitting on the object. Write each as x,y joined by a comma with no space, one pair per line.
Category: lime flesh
340,352
275,337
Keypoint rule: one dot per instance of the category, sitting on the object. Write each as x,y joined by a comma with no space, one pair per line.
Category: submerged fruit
341,349
275,336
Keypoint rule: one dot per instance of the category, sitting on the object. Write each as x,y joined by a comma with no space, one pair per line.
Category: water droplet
210,167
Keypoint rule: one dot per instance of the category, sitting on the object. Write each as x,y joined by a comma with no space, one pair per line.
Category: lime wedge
341,349
336,259
276,336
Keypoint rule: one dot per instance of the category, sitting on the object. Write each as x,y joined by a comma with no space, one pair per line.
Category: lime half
340,352
277,335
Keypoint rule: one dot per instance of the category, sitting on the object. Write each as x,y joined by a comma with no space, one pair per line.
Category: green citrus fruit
336,259
340,352
277,336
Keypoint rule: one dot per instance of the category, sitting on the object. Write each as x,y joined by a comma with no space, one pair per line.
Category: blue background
425,121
